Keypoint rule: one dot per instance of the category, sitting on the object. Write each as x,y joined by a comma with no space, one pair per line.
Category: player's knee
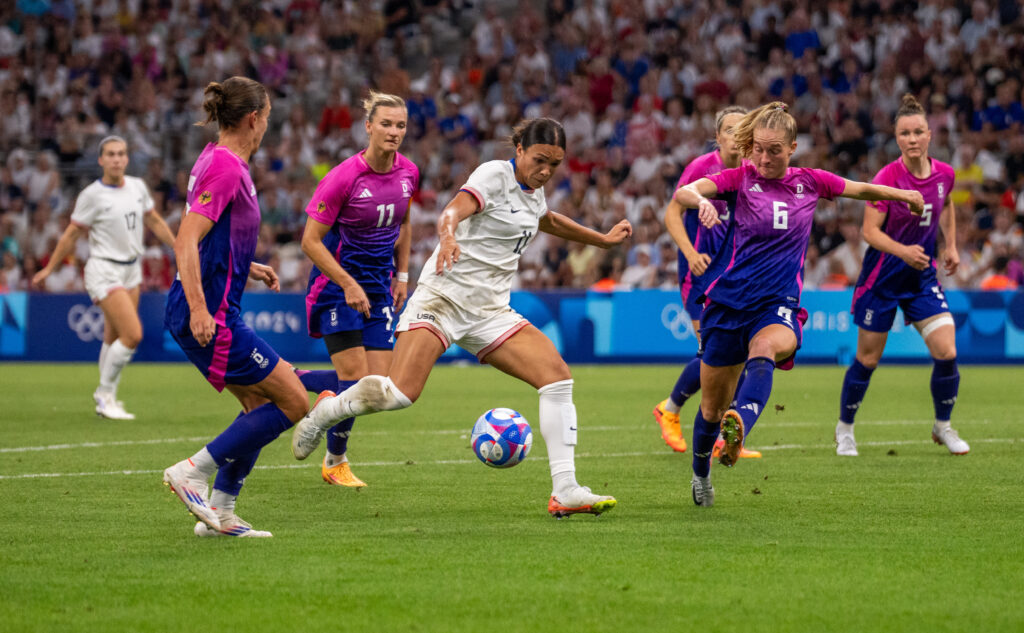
766,348
945,352
560,371
869,361
712,412
131,339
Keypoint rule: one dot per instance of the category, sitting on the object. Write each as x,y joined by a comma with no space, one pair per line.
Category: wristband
402,277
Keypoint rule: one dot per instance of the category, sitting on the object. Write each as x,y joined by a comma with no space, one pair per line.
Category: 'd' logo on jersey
941,188
799,190
205,197
406,189
259,358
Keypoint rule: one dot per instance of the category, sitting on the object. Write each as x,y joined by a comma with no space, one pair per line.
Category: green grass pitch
903,538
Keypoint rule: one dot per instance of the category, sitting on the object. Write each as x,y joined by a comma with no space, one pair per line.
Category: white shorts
104,276
478,335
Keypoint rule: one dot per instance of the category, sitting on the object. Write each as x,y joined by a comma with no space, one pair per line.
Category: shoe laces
950,435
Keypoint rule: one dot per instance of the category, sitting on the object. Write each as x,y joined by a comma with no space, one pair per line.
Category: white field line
442,462
585,429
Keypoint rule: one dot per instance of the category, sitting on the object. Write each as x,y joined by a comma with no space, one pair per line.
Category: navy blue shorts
875,314
235,356
378,330
726,333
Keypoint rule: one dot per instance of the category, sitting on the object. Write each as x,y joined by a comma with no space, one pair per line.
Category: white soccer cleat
185,481
307,435
846,445
230,525
702,491
579,500
109,407
948,436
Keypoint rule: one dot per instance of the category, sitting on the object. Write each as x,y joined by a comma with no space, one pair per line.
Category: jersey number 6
780,215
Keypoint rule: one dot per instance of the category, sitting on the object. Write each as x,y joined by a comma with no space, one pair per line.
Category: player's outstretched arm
313,247
461,207
156,224
872,192
65,245
871,229
562,226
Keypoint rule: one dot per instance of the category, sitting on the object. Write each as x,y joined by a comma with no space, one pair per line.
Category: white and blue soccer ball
501,438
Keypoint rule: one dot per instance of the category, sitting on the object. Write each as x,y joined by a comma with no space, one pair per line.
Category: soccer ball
501,438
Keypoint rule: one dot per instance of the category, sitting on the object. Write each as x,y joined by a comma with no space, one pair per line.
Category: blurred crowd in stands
636,83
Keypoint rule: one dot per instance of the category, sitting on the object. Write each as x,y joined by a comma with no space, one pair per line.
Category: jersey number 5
780,215
926,216
385,208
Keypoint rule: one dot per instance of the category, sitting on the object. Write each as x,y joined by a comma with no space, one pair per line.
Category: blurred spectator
641,273
850,254
998,279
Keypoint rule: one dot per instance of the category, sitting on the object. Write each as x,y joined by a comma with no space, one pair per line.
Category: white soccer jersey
113,216
491,240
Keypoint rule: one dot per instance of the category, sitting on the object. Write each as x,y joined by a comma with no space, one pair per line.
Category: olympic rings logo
86,321
677,321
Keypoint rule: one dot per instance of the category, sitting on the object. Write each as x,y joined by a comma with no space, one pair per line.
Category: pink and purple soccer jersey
886,273
704,240
221,189
763,261
886,280
365,210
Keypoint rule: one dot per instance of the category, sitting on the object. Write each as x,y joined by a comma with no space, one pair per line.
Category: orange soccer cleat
341,475
671,432
744,453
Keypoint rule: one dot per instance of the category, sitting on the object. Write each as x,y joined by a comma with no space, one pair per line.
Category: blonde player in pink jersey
695,253
752,318
899,270
357,235
463,298
113,211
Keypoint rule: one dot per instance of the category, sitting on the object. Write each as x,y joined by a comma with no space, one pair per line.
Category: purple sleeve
330,196
729,179
214,190
829,185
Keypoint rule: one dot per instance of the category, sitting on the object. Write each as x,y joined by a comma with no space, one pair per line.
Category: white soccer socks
112,361
558,427
371,394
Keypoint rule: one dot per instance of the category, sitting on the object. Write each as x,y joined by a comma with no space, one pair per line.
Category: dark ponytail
229,102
